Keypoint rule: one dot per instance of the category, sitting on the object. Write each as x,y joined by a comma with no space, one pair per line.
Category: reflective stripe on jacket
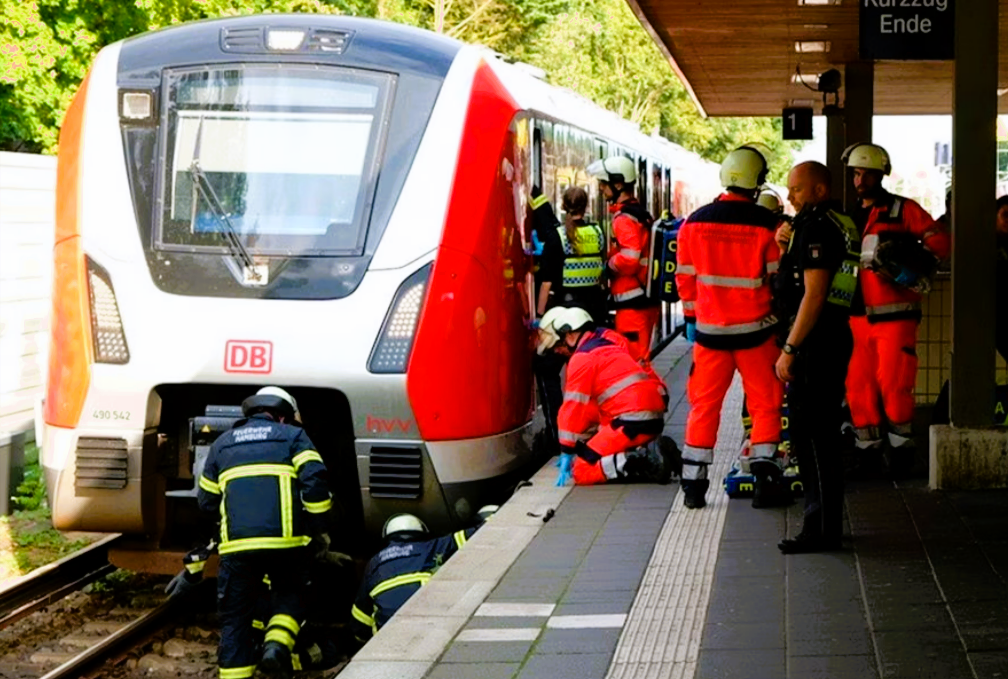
583,264
883,299
604,383
395,573
726,255
628,255
844,283
268,484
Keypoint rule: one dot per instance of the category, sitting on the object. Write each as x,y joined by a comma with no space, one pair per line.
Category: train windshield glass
282,157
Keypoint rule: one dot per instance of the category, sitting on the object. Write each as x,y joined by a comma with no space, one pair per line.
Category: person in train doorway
570,273
269,485
900,246
409,559
814,290
628,268
613,412
727,254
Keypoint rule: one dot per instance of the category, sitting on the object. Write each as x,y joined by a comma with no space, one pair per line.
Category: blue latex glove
537,245
534,323
906,278
690,331
566,464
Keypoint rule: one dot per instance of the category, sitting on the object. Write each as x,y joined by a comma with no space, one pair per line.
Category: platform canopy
739,57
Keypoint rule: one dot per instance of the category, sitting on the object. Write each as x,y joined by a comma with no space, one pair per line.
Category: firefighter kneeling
612,408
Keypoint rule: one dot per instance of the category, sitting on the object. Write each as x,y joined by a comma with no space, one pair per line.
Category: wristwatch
790,349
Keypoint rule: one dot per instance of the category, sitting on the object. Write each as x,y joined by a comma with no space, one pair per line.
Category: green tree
601,51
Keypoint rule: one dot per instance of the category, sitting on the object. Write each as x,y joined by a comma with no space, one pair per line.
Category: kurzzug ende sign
907,29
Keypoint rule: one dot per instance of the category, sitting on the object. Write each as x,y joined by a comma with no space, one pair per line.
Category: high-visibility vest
841,290
583,270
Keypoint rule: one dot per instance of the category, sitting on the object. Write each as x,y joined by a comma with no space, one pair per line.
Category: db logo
248,356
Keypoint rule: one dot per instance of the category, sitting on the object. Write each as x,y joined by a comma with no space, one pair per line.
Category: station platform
623,582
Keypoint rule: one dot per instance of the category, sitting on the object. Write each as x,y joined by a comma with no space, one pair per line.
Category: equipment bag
662,283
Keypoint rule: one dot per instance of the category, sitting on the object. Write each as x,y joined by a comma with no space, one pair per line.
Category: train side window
537,165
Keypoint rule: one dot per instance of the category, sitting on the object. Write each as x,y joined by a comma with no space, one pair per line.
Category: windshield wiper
206,191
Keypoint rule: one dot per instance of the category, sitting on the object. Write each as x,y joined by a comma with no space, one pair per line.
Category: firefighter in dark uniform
815,286
406,563
267,483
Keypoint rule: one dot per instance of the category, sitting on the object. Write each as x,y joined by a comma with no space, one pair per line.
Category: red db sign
248,356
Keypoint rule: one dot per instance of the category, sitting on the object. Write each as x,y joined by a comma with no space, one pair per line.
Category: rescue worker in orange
612,407
727,254
636,313
897,237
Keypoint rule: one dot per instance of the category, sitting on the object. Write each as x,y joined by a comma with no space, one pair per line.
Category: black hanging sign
906,30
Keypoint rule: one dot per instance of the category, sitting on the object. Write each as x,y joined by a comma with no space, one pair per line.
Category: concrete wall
27,218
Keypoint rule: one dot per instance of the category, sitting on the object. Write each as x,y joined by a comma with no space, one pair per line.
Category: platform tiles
616,584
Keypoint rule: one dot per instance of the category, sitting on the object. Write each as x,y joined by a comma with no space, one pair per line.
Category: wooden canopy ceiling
737,57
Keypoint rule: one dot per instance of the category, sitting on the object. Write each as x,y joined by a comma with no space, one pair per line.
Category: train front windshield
284,156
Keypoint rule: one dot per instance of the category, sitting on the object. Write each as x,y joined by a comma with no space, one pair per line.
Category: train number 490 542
111,415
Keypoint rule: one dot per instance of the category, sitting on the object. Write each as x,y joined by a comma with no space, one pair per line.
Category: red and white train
333,205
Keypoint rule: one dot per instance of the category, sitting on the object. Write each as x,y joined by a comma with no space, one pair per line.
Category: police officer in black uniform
273,487
814,289
406,563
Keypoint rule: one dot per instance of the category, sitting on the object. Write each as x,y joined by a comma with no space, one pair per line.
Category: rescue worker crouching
899,241
815,286
612,405
628,264
570,274
268,485
726,255
408,561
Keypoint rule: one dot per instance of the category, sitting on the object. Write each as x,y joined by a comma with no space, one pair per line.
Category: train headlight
391,351
284,39
106,325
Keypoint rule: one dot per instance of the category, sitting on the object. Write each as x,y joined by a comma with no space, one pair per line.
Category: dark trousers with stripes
240,586
547,371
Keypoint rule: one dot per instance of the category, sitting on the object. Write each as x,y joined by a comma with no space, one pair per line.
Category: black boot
770,488
646,464
694,492
899,460
276,661
673,456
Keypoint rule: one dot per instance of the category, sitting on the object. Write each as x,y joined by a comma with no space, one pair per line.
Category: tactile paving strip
661,639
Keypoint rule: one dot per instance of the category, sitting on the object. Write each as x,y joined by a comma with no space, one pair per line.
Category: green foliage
595,47
601,51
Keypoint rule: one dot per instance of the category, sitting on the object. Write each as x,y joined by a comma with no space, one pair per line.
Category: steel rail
110,646
52,582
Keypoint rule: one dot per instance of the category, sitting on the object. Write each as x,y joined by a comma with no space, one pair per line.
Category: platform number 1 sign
797,123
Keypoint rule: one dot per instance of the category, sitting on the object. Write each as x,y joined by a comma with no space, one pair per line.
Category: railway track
49,584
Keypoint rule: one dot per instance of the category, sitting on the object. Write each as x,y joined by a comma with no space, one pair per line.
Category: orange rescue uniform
726,255
636,314
611,403
884,319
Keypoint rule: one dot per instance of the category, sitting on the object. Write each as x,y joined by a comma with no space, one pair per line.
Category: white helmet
401,523
770,201
744,168
272,398
613,169
557,322
486,511
867,157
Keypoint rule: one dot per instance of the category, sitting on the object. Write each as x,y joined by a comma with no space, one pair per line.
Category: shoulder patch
814,251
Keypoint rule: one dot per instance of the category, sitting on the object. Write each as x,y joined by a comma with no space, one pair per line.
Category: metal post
974,157
835,144
859,106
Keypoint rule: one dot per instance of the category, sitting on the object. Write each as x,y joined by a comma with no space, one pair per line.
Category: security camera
829,81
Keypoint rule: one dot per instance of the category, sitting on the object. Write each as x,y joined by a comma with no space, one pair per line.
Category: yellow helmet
770,201
613,169
401,523
744,168
557,322
867,157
